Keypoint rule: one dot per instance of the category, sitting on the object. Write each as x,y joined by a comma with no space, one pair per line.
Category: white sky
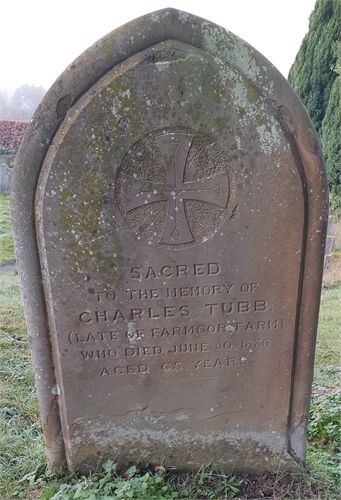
40,38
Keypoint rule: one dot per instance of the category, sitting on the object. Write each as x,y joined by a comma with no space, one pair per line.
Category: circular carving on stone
174,188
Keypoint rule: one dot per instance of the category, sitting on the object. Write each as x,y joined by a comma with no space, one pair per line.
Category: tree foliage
312,73
22,104
331,137
315,76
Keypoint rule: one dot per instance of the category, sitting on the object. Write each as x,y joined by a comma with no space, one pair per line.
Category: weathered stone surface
180,217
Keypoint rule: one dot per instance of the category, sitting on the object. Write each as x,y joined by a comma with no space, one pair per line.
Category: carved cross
174,148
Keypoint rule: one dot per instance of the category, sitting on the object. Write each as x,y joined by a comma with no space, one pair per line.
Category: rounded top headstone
169,212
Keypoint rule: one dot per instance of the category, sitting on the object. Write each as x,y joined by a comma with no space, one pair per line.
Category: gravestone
5,178
169,211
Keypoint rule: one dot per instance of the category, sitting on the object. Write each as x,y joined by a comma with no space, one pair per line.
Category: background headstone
5,178
334,230
180,214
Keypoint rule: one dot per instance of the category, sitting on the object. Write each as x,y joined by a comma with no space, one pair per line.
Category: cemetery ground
6,240
23,471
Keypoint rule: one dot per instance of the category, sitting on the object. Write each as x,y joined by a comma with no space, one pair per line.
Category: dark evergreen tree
331,135
315,76
312,73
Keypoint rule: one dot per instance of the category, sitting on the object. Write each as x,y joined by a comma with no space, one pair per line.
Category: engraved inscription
178,271
219,363
176,182
156,324
121,370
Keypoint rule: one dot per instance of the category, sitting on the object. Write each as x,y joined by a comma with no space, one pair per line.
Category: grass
22,462
21,441
6,239
328,347
23,470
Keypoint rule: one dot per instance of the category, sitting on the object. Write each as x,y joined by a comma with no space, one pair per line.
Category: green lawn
6,239
23,469
328,347
21,439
